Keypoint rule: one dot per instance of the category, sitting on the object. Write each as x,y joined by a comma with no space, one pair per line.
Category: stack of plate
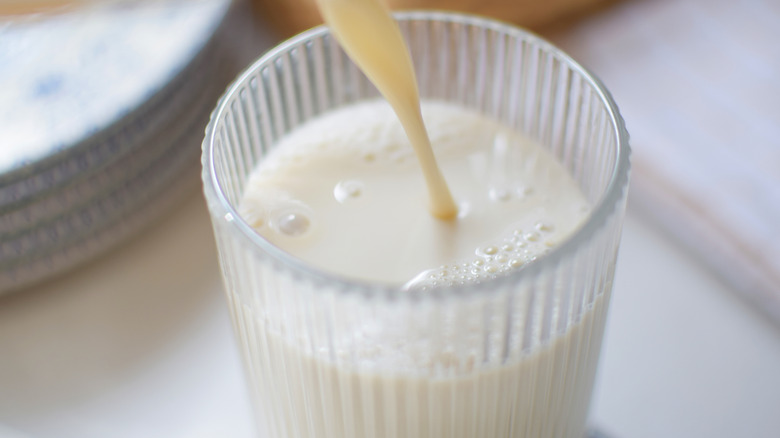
101,118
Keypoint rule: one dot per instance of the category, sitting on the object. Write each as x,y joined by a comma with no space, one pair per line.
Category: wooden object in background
289,17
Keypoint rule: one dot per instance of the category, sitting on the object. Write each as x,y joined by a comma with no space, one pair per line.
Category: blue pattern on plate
67,77
121,139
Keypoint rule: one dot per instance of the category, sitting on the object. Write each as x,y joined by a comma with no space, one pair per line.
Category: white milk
345,194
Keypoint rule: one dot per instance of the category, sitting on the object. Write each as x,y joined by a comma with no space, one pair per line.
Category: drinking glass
515,356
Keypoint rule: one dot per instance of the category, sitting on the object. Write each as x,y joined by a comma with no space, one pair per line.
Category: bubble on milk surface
348,190
516,249
499,194
293,224
292,219
531,236
544,226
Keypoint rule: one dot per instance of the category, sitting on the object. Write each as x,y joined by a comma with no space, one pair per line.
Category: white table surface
139,344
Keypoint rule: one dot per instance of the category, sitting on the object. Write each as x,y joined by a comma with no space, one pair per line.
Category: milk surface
344,193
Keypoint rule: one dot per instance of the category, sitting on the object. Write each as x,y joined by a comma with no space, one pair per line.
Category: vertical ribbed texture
328,359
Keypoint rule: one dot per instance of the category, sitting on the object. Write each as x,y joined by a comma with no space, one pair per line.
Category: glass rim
602,211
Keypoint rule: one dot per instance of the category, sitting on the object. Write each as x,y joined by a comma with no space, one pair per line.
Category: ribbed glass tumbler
511,357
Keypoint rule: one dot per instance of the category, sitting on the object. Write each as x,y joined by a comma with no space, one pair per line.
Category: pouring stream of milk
372,39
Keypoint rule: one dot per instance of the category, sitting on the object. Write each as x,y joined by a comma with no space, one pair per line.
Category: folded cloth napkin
698,82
